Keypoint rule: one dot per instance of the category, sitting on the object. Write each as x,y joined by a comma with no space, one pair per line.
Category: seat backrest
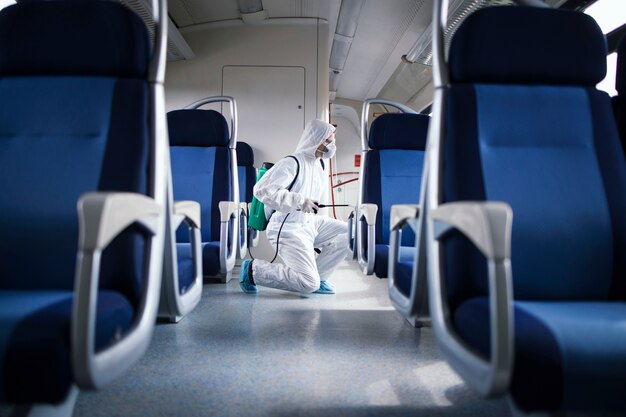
524,124
392,170
619,101
73,118
247,173
200,165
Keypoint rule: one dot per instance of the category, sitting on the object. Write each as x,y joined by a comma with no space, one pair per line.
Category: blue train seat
78,291
247,179
619,101
528,234
201,171
392,174
247,172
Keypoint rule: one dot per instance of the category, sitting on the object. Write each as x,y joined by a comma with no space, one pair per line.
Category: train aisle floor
279,354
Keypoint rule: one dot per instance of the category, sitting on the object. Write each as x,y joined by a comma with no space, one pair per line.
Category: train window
609,15
608,84
5,3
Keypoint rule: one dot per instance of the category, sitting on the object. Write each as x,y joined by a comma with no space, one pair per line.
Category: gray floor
278,354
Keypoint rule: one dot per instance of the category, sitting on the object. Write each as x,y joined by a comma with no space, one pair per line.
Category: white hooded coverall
301,232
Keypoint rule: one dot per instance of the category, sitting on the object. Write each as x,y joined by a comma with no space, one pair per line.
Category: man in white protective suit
302,230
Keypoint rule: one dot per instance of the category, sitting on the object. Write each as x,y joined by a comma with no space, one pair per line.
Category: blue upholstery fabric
372,192
58,127
202,175
381,263
35,341
210,256
399,131
245,154
185,267
404,271
612,165
197,128
620,76
62,126
486,48
193,170
125,168
98,38
392,177
516,133
518,164
246,171
466,271
400,183
548,342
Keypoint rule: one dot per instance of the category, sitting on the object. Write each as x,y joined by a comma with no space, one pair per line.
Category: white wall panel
271,107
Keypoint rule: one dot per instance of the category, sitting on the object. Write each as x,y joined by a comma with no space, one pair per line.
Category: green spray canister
257,220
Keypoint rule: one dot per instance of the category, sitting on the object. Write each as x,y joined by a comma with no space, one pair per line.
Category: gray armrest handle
174,304
401,215
368,211
102,216
366,245
190,210
228,250
243,231
487,225
352,233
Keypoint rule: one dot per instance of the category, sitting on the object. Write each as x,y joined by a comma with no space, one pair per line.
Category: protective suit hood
315,132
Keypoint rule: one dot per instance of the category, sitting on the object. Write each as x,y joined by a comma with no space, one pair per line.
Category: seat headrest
245,155
620,79
197,128
528,45
399,131
72,37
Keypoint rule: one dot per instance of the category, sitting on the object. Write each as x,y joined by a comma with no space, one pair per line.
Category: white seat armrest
366,245
486,224
227,209
368,211
400,213
102,216
190,210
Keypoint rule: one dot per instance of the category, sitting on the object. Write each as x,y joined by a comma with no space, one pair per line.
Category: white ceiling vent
177,47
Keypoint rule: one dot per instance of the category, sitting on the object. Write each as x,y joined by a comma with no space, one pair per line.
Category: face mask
330,151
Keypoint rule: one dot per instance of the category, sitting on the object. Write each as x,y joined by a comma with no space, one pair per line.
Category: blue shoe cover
326,287
244,279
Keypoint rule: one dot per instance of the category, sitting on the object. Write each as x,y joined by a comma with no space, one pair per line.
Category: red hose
343,183
347,172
